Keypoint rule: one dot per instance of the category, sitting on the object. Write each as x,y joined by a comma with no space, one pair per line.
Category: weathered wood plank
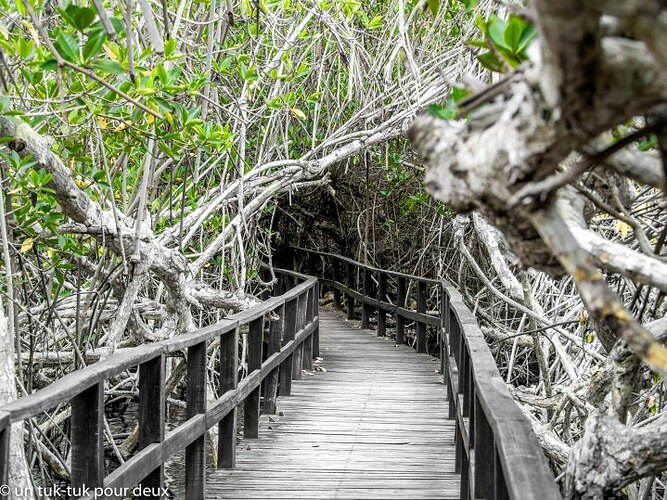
371,426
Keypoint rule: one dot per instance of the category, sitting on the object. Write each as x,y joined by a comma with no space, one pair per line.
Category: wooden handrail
497,452
296,344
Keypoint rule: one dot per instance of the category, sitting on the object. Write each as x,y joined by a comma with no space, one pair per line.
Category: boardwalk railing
293,341
497,452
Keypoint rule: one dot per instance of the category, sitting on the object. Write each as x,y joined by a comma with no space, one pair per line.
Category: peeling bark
611,456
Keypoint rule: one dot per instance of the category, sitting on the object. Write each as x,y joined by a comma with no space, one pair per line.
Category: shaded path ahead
373,425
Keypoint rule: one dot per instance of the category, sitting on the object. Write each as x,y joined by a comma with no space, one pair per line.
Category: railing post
297,365
312,266
251,405
195,454
271,381
5,436
350,285
335,270
308,343
462,364
465,475
382,297
152,415
316,312
400,302
444,307
365,307
482,437
291,312
228,382
87,426
421,308
454,342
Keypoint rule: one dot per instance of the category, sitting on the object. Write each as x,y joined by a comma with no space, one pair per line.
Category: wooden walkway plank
373,425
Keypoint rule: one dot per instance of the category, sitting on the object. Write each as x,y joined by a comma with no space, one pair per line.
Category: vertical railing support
152,415
195,453
286,367
297,365
365,307
271,381
464,368
335,271
421,308
228,382
87,425
400,302
382,297
316,312
251,405
308,343
444,352
350,285
482,439
454,343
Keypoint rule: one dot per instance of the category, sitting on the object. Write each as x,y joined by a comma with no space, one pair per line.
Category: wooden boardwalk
373,425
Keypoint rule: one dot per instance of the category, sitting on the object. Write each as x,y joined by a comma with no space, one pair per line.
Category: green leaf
162,74
433,5
442,112
496,30
169,47
93,44
459,94
67,16
118,25
275,103
491,62
528,35
163,104
374,23
109,66
68,46
513,33
82,16
50,65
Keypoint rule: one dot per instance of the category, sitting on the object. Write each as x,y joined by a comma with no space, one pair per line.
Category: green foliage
447,111
102,135
507,42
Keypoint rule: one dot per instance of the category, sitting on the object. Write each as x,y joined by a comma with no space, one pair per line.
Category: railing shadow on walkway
497,452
